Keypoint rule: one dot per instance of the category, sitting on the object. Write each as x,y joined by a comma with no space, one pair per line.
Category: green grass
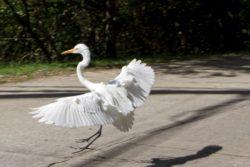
13,69
10,72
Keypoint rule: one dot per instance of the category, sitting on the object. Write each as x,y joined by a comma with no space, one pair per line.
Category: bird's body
111,103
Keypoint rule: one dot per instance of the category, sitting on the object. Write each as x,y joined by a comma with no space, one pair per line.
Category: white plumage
111,103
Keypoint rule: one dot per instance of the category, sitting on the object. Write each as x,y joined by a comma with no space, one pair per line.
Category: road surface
197,115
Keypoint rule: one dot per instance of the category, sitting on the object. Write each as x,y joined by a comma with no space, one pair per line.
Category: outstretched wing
137,78
82,110
113,103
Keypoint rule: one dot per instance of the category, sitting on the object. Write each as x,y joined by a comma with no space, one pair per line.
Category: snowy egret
111,103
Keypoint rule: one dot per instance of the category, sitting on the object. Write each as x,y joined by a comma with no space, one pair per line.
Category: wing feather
113,103
137,78
76,111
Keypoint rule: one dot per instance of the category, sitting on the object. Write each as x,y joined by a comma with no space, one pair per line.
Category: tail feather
124,123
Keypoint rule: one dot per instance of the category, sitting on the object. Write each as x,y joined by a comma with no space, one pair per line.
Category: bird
113,102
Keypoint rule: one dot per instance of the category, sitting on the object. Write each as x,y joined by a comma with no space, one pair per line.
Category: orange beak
68,51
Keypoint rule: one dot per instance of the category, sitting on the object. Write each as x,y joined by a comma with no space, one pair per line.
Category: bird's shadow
169,162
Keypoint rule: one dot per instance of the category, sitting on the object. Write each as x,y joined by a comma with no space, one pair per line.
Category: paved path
197,115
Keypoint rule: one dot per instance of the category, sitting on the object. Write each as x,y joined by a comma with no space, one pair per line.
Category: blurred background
34,31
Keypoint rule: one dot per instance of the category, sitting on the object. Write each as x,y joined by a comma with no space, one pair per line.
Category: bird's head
79,48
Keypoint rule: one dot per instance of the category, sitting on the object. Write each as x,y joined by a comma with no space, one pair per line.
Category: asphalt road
197,115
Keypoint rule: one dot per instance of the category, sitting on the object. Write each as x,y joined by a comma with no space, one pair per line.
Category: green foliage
39,30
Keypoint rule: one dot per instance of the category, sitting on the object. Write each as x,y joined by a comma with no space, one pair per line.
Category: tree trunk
25,22
110,29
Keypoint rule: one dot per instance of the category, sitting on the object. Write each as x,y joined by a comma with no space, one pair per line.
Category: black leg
90,137
98,134
95,136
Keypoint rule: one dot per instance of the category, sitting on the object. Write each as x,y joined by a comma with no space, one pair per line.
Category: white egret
111,103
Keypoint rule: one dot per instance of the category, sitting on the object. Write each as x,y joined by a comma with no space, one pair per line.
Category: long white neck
80,67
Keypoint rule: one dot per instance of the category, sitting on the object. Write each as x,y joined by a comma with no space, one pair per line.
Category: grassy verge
14,72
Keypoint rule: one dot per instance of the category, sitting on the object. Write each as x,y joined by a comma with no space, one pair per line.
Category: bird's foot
90,140
82,140
82,148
